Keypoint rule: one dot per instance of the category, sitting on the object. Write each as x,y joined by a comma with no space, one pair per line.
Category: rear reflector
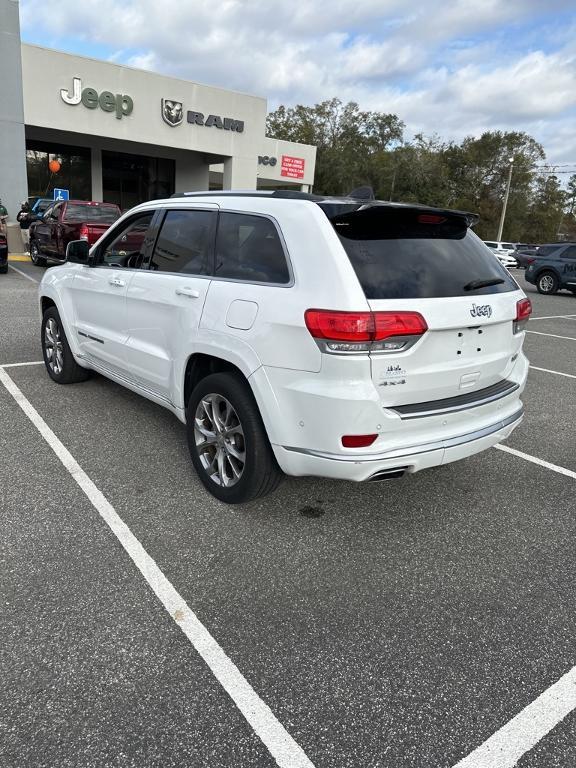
358,441
523,312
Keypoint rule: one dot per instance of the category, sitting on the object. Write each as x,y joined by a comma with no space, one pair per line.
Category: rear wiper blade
483,283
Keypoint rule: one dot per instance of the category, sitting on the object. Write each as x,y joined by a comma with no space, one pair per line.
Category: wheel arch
202,364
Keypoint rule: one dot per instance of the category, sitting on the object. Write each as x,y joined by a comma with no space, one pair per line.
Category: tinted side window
547,250
569,253
185,243
249,248
126,248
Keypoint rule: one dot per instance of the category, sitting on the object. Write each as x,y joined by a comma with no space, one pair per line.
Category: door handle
116,281
190,292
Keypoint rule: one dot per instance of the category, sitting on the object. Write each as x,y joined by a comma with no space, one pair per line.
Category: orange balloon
54,166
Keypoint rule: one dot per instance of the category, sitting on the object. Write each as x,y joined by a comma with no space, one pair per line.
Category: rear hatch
429,262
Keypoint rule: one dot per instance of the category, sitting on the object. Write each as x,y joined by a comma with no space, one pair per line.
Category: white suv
338,337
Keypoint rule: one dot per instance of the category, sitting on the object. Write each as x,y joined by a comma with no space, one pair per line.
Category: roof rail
285,194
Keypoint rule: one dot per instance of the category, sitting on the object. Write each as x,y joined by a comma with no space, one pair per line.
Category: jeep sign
107,101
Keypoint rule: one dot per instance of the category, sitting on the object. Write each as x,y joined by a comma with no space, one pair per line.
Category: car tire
547,283
36,255
3,269
58,358
227,440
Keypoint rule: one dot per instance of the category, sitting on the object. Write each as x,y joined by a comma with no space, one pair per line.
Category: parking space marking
283,748
16,365
23,274
536,460
558,373
554,335
505,747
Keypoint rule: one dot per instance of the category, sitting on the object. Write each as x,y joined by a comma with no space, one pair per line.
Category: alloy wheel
34,252
219,439
546,283
53,346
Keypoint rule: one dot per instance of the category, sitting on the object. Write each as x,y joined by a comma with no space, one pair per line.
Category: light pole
503,216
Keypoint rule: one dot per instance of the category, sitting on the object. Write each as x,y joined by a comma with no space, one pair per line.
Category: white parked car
504,252
292,333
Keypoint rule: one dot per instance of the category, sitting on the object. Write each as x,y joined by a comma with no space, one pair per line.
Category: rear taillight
530,261
523,312
353,332
83,232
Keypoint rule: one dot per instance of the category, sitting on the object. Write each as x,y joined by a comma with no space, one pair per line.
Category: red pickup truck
65,221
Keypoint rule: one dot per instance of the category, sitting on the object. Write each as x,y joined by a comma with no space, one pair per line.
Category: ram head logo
172,112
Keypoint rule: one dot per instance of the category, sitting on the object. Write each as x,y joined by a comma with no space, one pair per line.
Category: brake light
83,232
358,441
530,261
523,312
430,218
352,332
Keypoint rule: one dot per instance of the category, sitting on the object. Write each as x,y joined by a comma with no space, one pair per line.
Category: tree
348,140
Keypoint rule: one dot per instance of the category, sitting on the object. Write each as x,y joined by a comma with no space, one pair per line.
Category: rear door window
249,248
569,253
185,243
408,253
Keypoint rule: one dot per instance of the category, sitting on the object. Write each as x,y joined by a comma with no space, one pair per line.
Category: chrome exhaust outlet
387,474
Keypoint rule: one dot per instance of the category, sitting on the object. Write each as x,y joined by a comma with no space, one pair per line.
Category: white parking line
505,747
555,336
16,365
285,751
535,460
520,734
557,373
23,274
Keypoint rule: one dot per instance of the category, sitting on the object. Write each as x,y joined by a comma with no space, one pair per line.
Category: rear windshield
410,254
96,214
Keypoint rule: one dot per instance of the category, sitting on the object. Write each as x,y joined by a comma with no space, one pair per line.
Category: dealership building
124,135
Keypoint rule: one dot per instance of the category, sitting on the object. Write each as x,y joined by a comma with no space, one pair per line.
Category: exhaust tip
387,474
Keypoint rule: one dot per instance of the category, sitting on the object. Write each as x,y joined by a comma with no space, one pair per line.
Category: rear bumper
360,467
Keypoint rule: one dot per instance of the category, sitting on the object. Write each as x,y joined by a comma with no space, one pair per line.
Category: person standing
3,218
25,218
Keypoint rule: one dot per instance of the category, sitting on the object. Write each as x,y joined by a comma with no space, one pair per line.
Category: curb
18,257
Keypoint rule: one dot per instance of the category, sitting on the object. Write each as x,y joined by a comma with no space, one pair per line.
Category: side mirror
77,252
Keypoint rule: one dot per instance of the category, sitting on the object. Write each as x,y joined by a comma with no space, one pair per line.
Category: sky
453,68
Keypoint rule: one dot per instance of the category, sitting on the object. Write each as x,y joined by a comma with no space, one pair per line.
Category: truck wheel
36,255
547,282
227,440
58,358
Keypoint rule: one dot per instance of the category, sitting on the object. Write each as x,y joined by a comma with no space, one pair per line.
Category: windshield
96,214
411,254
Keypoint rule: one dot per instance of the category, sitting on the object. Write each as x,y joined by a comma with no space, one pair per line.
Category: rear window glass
98,214
410,254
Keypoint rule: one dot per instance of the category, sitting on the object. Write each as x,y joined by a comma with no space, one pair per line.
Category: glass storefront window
128,180
74,173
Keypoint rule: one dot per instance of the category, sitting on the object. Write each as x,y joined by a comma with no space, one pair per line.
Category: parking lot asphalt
397,625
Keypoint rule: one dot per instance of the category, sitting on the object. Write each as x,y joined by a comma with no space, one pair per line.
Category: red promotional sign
292,167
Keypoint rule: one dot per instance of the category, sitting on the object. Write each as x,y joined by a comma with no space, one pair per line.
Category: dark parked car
41,206
3,254
66,221
553,268
525,252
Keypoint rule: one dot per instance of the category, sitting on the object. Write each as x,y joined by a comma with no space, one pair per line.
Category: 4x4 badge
481,310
